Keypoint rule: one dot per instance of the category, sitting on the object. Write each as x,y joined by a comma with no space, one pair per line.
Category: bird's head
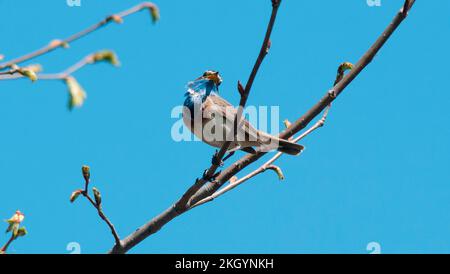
205,84
213,76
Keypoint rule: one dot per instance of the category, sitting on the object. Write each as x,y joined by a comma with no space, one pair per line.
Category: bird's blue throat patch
197,93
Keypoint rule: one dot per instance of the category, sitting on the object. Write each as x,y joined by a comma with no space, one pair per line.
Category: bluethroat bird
211,119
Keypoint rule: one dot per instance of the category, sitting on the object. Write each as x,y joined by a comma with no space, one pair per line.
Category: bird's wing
215,106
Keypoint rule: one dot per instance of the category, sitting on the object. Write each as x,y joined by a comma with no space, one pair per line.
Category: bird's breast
210,130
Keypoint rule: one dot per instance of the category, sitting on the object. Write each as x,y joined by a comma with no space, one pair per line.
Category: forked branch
55,44
210,188
19,73
96,202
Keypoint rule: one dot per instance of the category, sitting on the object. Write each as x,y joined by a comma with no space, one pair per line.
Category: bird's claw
210,178
205,176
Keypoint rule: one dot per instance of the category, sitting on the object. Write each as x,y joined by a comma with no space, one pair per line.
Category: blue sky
377,172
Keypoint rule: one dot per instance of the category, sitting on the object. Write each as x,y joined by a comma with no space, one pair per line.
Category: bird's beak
215,78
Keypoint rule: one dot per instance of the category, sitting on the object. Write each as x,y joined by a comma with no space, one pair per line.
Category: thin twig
5,247
18,72
53,76
103,216
86,171
62,43
159,221
70,70
9,72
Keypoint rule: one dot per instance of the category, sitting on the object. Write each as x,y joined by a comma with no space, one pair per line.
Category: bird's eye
205,74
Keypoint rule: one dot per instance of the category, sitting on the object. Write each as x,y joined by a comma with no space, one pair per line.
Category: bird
211,119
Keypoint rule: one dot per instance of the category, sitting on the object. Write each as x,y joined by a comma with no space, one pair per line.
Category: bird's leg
228,156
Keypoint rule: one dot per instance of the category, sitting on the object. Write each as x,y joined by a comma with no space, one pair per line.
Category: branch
55,44
159,221
97,204
5,247
77,95
18,73
14,226
70,70
104,218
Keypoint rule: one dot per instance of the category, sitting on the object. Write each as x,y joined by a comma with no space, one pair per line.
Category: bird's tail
289,147
282,145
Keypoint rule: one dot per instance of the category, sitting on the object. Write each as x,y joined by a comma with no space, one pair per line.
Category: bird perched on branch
211,119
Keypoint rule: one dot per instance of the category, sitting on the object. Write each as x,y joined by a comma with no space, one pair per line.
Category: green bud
107,56
278,171
97,196
341,70
154,13
21,232
29,74
14,221
345,66
75,195
77,95
287,123
65,45
115,18
86,170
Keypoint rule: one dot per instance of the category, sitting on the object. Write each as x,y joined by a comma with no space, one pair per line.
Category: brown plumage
213,118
